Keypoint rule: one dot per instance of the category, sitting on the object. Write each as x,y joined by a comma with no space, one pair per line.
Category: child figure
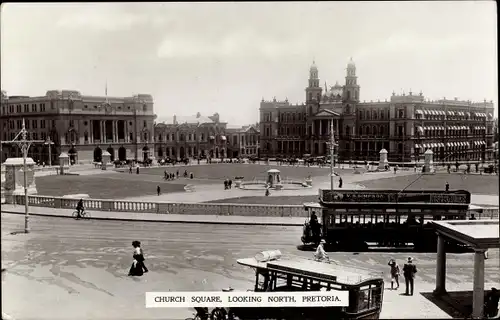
394,274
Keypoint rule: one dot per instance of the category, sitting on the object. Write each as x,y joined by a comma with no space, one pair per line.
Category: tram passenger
315,226
320,254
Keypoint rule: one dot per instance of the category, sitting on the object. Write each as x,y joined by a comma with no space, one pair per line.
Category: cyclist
79,209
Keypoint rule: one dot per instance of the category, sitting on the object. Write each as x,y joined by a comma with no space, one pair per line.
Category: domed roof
313,66
351,64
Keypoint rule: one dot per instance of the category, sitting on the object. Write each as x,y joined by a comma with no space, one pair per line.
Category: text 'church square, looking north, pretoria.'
406,126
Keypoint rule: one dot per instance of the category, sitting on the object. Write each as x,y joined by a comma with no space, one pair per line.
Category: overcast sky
224,57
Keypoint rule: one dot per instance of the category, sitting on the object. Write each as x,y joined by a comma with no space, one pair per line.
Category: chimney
175,119
198,115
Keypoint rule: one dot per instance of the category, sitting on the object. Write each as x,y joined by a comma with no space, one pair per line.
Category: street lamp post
49,143
24,144
332,154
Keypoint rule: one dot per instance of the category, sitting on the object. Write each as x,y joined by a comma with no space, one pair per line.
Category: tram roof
313,269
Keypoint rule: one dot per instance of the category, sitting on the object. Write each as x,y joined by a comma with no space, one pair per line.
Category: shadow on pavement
457,304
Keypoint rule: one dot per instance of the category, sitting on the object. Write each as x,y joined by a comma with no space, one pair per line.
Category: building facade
406,125
243,142
82,126
190,137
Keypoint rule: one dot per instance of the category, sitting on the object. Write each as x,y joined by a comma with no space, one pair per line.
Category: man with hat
409,271
320,253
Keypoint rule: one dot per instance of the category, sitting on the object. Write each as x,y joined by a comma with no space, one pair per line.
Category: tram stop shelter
480,235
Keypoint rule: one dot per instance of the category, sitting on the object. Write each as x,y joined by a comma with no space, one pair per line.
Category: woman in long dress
138,268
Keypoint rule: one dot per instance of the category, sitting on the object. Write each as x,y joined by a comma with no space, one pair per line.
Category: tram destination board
393,196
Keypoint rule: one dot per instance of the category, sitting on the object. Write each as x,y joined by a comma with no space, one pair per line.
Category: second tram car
352,219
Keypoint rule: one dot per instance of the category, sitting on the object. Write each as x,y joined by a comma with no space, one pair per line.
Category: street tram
355,219
286,274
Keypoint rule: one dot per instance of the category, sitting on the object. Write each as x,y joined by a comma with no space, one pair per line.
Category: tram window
352,218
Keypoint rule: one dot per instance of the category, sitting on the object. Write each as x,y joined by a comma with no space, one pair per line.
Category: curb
165,221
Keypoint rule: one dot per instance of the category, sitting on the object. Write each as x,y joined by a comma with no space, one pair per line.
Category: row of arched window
374,114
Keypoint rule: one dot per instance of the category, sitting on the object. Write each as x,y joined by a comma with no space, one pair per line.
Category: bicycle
83,215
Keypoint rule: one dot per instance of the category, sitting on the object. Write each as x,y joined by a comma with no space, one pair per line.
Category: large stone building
187,137
243,141
406,125
81,126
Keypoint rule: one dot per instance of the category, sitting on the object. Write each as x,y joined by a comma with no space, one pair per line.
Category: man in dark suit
409,271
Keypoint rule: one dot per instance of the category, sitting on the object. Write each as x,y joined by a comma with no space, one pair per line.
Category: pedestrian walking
225,184
177,174
447,186
340,182
137,170
158,190
409,271
394,273
130,170
138,267
230,183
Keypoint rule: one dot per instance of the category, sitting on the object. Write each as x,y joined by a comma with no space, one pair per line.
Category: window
159,137
53,123
86,136
145,136
130,123
145,124
19,124
27,123
42,124
33,108
131,136
26,108
42,107
189,137
34,124
35,136
71,123
18,107
43,135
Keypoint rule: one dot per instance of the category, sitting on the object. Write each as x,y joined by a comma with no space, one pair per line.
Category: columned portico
441,266
480,235
478,293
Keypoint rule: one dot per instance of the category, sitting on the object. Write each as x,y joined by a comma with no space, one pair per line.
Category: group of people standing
409,271
228,184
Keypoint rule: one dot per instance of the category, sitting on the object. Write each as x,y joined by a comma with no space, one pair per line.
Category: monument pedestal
428,167
14,178
63,163
309,182
383,162
106,159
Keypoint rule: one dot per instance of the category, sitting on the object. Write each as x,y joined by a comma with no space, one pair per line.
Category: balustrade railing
224,209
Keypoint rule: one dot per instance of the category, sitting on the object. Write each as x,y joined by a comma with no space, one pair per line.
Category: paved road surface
67,268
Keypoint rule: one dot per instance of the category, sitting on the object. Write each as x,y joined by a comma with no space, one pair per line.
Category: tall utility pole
332,153
49,143
22,141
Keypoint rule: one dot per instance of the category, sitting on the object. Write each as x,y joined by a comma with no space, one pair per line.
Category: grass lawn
475,184
102,186
223,171
278,200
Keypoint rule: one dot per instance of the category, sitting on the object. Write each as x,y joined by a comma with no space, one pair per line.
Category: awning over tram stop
480,235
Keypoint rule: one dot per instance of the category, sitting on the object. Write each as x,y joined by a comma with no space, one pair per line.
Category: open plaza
81,266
